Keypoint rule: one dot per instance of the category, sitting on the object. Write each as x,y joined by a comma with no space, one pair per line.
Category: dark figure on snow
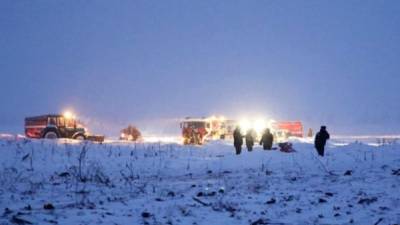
250,139
310,133
267,139
237,140
320,140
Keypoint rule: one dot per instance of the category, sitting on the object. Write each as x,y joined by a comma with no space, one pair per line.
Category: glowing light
69,115
244,125
259,125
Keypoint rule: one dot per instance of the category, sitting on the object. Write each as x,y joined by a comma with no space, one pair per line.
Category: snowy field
70,182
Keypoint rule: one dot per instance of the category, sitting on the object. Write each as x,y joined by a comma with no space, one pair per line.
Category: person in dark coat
250,139
237,140
267,139
320,140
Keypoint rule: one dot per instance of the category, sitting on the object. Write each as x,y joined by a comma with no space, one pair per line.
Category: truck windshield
198,124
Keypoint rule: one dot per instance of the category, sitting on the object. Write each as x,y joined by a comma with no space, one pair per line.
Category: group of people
267,139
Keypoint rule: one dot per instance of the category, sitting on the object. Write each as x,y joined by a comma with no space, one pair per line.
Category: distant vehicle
131,133
194,130
54,126
198,130
217,128
228,126
291,128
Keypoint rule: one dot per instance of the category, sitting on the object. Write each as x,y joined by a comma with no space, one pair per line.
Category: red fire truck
198,130
291,128
194,130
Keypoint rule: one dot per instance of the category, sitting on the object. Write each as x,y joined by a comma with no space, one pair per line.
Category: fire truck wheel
80,137
51,135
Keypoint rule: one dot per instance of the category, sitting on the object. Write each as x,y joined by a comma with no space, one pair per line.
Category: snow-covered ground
71,182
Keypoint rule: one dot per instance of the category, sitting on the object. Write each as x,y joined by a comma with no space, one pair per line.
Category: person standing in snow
320,140
237,140
267,139
250,139
310,133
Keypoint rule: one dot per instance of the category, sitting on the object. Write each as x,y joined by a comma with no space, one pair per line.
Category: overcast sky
113,62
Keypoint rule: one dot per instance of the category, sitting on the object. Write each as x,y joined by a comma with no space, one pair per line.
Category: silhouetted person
310,133
250,139
237,140
320,140
266,140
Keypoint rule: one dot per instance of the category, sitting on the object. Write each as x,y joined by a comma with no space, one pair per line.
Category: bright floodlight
69,115
259,125
244,125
